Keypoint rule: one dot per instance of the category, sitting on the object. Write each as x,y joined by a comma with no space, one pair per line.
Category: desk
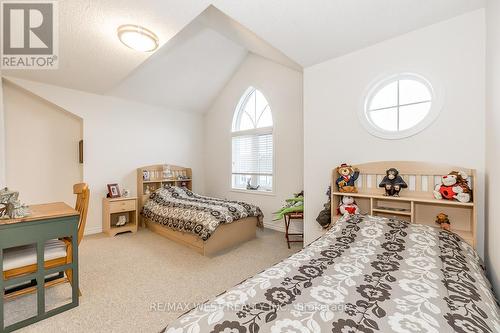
47,221
288,217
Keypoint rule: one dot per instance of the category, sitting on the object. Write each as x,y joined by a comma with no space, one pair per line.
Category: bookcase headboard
152,177
415,203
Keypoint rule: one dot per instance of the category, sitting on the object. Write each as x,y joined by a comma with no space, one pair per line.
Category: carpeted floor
127,280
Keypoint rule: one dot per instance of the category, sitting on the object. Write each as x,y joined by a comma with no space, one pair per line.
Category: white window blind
253,155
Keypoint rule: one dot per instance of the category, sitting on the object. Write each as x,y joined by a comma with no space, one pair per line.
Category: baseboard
280,226
94,230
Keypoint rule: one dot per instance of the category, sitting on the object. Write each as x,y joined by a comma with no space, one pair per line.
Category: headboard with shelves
152,177
416,203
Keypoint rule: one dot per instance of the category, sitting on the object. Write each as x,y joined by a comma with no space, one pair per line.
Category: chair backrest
82,192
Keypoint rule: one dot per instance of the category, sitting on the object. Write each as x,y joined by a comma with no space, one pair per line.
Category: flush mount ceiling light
138,38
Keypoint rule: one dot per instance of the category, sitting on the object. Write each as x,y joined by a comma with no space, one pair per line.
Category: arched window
252,132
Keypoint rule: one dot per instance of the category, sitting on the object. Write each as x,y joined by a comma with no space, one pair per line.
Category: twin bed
204,224
366,274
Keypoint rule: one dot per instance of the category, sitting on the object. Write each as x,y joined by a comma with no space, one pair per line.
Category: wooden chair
21,260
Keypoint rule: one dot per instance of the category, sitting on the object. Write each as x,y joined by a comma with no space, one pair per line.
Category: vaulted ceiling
199,53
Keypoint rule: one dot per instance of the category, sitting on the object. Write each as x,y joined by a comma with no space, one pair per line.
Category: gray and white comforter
367,274
180,209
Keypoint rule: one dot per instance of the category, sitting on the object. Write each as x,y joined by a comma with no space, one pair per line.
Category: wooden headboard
159,176
416,203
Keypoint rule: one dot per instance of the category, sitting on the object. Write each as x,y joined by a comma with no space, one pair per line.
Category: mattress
182,210
367,274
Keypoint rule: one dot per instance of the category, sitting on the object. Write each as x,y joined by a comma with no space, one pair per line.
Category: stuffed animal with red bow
454,186
348,206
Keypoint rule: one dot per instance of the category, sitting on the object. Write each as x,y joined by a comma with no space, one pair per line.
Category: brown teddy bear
443,220
347,178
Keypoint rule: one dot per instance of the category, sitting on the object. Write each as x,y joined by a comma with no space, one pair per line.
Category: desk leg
40,276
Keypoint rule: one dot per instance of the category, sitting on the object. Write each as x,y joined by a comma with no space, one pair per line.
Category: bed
205,224
389,269
366,274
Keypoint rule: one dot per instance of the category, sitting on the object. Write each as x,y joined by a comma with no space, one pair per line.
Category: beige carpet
122,279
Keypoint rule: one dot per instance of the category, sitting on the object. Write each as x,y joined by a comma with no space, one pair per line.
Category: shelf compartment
406,196
391,215
165,181
386,210
460,217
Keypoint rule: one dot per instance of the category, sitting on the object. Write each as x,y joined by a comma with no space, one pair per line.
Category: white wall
120,136
283,89
451,53
493,142
41,141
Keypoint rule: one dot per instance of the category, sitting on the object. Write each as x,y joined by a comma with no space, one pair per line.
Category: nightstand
113,208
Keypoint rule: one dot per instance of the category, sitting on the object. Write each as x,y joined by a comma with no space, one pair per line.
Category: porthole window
399,106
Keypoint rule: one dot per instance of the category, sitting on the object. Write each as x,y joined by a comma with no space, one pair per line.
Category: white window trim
262,130
437,97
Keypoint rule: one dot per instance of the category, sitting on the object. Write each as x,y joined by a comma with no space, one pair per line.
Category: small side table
288,217
112,209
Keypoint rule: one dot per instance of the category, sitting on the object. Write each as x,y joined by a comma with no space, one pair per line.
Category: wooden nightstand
112,209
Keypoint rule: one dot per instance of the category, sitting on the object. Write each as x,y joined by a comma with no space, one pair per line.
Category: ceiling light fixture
138,38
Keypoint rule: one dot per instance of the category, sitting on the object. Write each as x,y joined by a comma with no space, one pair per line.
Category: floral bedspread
367,274
180,209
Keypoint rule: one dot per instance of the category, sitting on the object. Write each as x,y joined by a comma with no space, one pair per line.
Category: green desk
47,221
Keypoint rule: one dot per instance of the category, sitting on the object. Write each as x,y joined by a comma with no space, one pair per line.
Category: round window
399,106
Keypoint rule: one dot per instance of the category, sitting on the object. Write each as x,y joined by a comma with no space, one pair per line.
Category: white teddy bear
348,206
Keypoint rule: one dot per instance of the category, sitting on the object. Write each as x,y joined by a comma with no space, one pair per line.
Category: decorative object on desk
347,178
392,183
251,187
125,193
292,205
325,216
122,220
113,191
443,220
145,175
348,206
148,191
10,206
454,186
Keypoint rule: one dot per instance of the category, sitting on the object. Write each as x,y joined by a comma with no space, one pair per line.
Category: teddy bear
454,186
348,206
443,220
347,178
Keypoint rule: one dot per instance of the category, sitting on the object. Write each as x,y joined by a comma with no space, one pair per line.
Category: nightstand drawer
122,206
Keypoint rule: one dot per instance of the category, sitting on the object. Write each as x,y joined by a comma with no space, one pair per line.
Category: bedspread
182,210
367,274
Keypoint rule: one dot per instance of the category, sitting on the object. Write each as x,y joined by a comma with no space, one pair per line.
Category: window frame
255,131
436,100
